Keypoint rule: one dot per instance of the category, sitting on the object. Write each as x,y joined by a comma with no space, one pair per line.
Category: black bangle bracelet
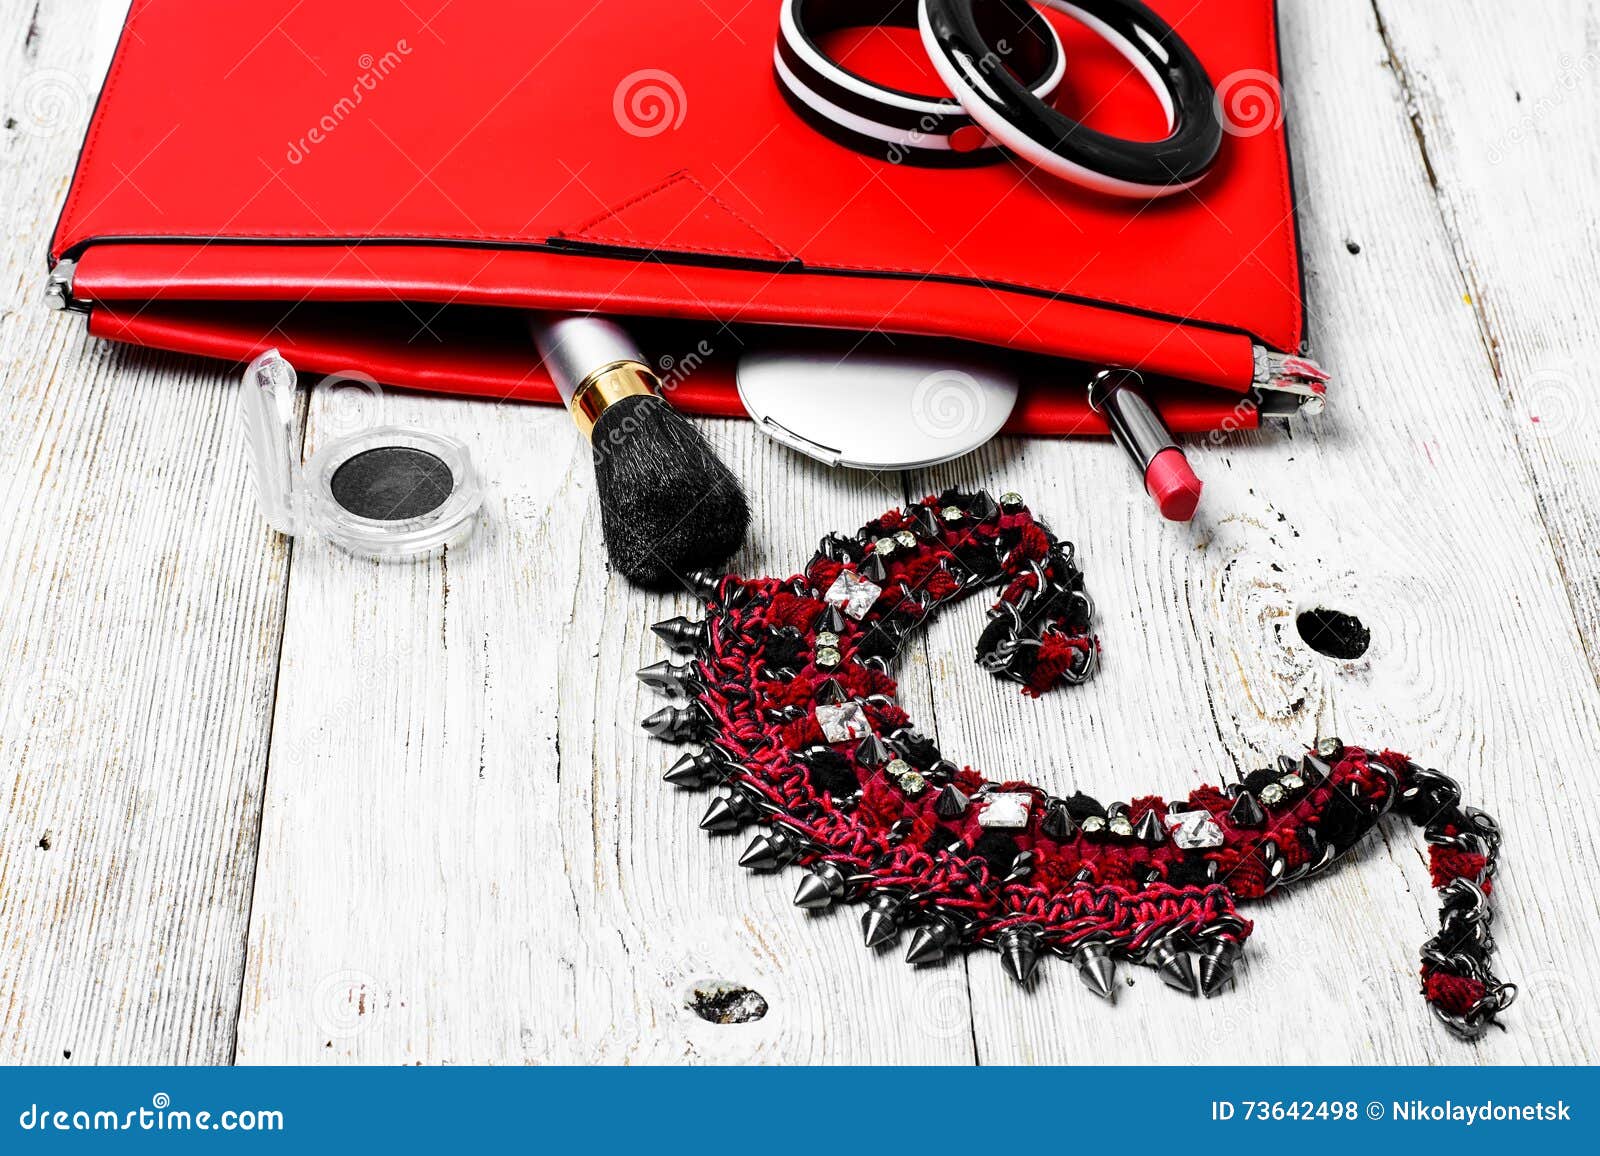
889,123
956,41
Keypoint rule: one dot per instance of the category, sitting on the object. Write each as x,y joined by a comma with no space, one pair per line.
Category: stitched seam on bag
636,245
585,232
1280,146
113,78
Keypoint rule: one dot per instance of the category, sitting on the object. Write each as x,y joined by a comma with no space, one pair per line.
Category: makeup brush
668,505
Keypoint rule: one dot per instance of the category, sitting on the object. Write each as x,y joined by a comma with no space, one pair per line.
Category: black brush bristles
668,504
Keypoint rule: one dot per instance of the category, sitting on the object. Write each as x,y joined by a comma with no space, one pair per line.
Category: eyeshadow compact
389,492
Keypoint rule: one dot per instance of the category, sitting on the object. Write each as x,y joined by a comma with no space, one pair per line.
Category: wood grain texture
139,641
1504,112
468,853
465,851
1406,504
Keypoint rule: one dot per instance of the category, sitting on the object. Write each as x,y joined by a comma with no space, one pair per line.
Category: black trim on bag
792,267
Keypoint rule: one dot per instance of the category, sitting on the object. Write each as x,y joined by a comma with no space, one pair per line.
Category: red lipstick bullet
1118,396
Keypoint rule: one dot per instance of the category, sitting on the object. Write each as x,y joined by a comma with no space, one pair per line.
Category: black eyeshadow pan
392,483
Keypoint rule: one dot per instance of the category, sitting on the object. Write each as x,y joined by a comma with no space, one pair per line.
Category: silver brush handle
575,347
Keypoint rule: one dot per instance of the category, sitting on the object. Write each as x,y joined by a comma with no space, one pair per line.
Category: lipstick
1118,396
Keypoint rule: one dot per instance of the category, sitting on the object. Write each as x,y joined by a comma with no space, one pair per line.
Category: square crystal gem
843,723
853,594
1006,810
1194,829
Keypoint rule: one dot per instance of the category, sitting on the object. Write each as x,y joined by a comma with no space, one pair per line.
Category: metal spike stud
1173,964
880,922
1021,867
703,584
1246,812
820,887
983,506
771,850
928,522
930,942
871,752
1216,966
1019,951
1151,830
1314,770
677,724
697,771
951,803
1097,967
873,570
831,693
1057,823
681,635
728,813
832,619
668,678
1288,764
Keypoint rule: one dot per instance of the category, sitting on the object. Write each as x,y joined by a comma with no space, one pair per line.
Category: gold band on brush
604,388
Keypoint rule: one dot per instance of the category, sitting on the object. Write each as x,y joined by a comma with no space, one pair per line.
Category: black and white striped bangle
899,126
957,38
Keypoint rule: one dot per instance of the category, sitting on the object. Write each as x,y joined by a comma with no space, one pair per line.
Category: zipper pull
58,289
1286,383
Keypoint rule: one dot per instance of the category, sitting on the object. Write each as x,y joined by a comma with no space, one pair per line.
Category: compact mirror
875,409
390,492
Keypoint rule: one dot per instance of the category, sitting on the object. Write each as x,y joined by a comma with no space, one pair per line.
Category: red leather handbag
367,186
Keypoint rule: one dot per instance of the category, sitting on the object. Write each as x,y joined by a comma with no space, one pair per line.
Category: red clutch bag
367,187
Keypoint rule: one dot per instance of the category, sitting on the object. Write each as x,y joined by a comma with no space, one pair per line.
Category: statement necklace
790,690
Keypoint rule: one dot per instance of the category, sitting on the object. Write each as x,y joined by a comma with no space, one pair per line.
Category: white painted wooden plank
1407,505
467,851
409,911
142,600
1505,109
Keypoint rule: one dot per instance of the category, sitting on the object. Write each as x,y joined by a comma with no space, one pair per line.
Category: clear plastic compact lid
388,492
267,406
